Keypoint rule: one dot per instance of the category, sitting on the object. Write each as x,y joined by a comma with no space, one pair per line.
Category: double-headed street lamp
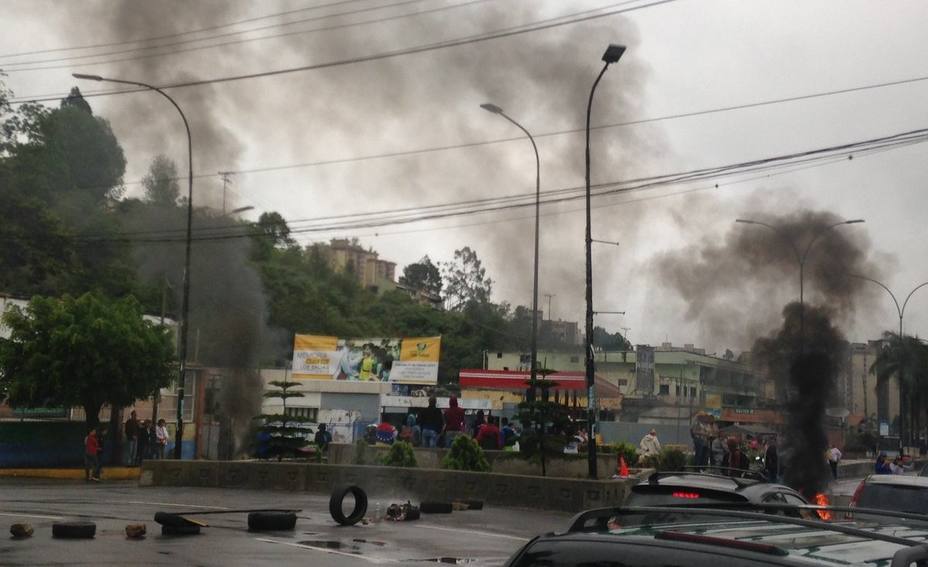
901,312
801,257
533,376
185,303
612,55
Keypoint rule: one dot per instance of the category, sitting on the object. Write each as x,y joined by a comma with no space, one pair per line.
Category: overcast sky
683,56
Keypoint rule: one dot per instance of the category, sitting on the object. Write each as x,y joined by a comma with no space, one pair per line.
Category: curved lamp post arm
899,310
783,236
908,297
823,232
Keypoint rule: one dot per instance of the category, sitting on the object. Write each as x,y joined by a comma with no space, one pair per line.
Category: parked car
897,493
720,538
703,489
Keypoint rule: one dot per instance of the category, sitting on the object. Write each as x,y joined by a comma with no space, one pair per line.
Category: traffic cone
623,467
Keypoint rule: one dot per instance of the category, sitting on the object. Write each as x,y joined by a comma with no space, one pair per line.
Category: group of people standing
144,439
431,427
885,466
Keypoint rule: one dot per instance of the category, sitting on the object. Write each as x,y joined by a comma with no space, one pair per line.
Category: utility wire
7,69
603,189
478,205
498,34
181,34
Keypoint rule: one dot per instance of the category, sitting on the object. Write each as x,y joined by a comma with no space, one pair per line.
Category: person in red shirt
91,457
454,422
489,435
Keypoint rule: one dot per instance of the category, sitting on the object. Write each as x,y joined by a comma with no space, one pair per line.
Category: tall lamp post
533,376
901,312
612,55
185,302
801,257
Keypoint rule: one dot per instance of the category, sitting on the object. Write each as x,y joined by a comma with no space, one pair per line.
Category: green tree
285,436
160,183
422,276
86,351
609,341
907,358
466,455
466,280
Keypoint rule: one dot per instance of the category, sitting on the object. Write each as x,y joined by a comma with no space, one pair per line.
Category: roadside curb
112,473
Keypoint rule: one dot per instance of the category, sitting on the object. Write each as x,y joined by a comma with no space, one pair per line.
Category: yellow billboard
409,360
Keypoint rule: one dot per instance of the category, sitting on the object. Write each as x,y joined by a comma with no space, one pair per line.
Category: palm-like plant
905,357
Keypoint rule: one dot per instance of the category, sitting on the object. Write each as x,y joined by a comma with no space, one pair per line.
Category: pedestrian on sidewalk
454,422
143,446
649,445
92,449
432,423
834,457
132,439
161,435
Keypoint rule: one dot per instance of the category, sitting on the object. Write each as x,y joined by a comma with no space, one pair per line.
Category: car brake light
685,495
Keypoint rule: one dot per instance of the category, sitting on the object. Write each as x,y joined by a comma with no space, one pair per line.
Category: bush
466,455
400,455
629,451
669,459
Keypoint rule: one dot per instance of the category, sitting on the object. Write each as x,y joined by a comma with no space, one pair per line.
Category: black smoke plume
804,359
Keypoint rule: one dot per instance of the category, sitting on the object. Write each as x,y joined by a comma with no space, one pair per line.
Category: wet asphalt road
475,538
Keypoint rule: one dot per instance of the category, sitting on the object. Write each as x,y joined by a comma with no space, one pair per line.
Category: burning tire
271,521
436,507
360,505
74,530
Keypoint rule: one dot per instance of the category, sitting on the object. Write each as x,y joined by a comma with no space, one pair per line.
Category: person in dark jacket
142,451
432,423
772,461
454,422
735,459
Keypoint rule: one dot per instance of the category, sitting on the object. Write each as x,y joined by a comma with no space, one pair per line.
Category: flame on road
821,499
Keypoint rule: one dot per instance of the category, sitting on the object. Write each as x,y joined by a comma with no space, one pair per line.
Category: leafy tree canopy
466,280
86,351
422,276
160,183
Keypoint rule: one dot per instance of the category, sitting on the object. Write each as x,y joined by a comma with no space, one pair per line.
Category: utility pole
226,179
549,296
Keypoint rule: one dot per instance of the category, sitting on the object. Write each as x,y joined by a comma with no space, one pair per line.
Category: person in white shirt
834,457
649,444
161,434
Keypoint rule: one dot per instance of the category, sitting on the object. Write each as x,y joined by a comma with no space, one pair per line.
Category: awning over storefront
517,381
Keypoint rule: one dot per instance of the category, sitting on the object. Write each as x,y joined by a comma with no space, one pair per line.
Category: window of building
664,389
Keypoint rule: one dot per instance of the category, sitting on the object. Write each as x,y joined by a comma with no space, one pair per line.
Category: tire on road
271,521
74,530
360,505
429,507
190,529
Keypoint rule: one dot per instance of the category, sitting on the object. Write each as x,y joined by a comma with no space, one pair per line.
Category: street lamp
612,55
533,376
185,302
901,312
801,258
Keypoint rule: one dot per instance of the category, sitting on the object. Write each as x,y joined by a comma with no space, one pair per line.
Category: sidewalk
108,473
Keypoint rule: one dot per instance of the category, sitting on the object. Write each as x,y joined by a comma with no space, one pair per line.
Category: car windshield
897,497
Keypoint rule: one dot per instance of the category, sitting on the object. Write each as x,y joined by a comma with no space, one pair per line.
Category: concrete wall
392,483
560,466
620,431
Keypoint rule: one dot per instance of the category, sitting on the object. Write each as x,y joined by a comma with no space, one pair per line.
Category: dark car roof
749,489
741,539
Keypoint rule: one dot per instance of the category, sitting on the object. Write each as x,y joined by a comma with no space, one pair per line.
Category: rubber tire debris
429,507
21,531
474,504
169,519
271,521
74,530
136,531
360,505
191,529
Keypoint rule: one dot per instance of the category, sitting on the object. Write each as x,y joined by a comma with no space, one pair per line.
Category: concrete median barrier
495,489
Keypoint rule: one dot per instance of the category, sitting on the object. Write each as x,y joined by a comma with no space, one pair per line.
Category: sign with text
408,360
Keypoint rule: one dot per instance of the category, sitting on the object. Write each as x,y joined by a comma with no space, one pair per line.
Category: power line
235,42
499,34
181,34
617,187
